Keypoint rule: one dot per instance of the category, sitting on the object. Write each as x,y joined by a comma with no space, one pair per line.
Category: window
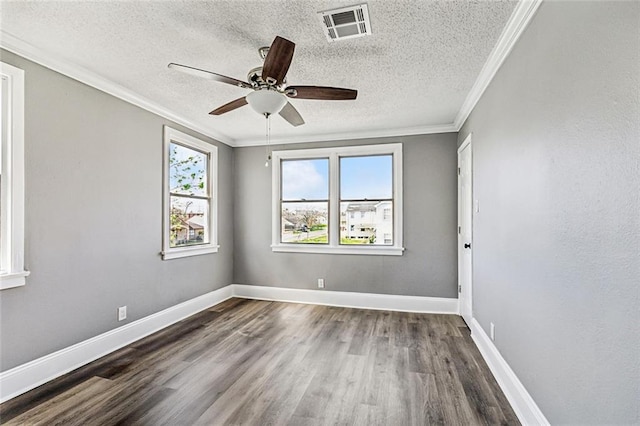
366,186
12,273
304,205
190,203
338,200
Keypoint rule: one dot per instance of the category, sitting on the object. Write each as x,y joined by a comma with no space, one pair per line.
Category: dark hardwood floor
271,363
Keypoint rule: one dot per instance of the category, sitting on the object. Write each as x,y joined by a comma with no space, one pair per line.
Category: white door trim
465,144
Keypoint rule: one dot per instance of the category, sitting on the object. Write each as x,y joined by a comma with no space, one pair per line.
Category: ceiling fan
268,83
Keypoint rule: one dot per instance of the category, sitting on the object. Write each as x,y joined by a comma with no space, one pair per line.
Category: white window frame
334,155
168,252
12,272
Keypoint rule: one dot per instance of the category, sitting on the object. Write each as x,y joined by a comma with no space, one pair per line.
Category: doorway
465,231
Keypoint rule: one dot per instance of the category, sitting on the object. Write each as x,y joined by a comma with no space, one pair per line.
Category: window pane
368,222
189,221
305,223
369,177
187,171
305,179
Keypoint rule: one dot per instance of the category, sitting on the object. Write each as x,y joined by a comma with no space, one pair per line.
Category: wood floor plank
274,406
60,409
248,397
457,408
344,385
397,406
255,362
373,384
473,383
45,392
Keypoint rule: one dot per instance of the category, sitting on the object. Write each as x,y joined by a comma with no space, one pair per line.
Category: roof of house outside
196,222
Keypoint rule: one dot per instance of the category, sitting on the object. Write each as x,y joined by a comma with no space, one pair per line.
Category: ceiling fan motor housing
254,76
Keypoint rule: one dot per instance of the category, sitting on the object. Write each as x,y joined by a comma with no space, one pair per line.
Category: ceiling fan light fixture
266,101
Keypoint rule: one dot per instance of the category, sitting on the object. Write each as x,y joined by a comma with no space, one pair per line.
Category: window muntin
366,187
304,205
386,200
12,273
190,203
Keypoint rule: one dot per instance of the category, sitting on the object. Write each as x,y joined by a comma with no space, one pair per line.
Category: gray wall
93,220
556,146
427,267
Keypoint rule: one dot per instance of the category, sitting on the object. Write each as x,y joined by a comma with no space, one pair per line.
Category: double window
12,273
338,200
189,195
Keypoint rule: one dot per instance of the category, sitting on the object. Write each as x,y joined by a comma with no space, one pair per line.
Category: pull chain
266,147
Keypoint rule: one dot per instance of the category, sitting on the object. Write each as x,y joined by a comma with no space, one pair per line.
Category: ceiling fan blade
210,75
278,60
322,93
229,106
289,113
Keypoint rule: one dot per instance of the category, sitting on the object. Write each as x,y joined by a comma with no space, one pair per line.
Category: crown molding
366,134
15,45
20,47
520,18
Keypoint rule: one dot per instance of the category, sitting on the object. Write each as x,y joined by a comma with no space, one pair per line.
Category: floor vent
346,22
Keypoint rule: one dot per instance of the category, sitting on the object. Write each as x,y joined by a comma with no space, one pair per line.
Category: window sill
297,248
13,279
177,253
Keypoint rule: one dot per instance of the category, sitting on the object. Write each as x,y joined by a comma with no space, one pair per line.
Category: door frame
465,144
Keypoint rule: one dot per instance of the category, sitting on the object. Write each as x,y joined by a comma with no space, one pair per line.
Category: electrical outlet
122,313
493,331
320,282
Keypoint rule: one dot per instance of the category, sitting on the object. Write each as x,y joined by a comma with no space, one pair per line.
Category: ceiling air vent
346,22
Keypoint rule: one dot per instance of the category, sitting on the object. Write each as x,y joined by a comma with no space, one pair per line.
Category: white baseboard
386,302
27,376
523,404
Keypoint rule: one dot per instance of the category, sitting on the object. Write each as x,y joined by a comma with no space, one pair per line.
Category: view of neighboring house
287,225
196,227
370,221
304,218
190,229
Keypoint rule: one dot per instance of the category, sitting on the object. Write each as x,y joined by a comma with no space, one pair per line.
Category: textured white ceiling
414,71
